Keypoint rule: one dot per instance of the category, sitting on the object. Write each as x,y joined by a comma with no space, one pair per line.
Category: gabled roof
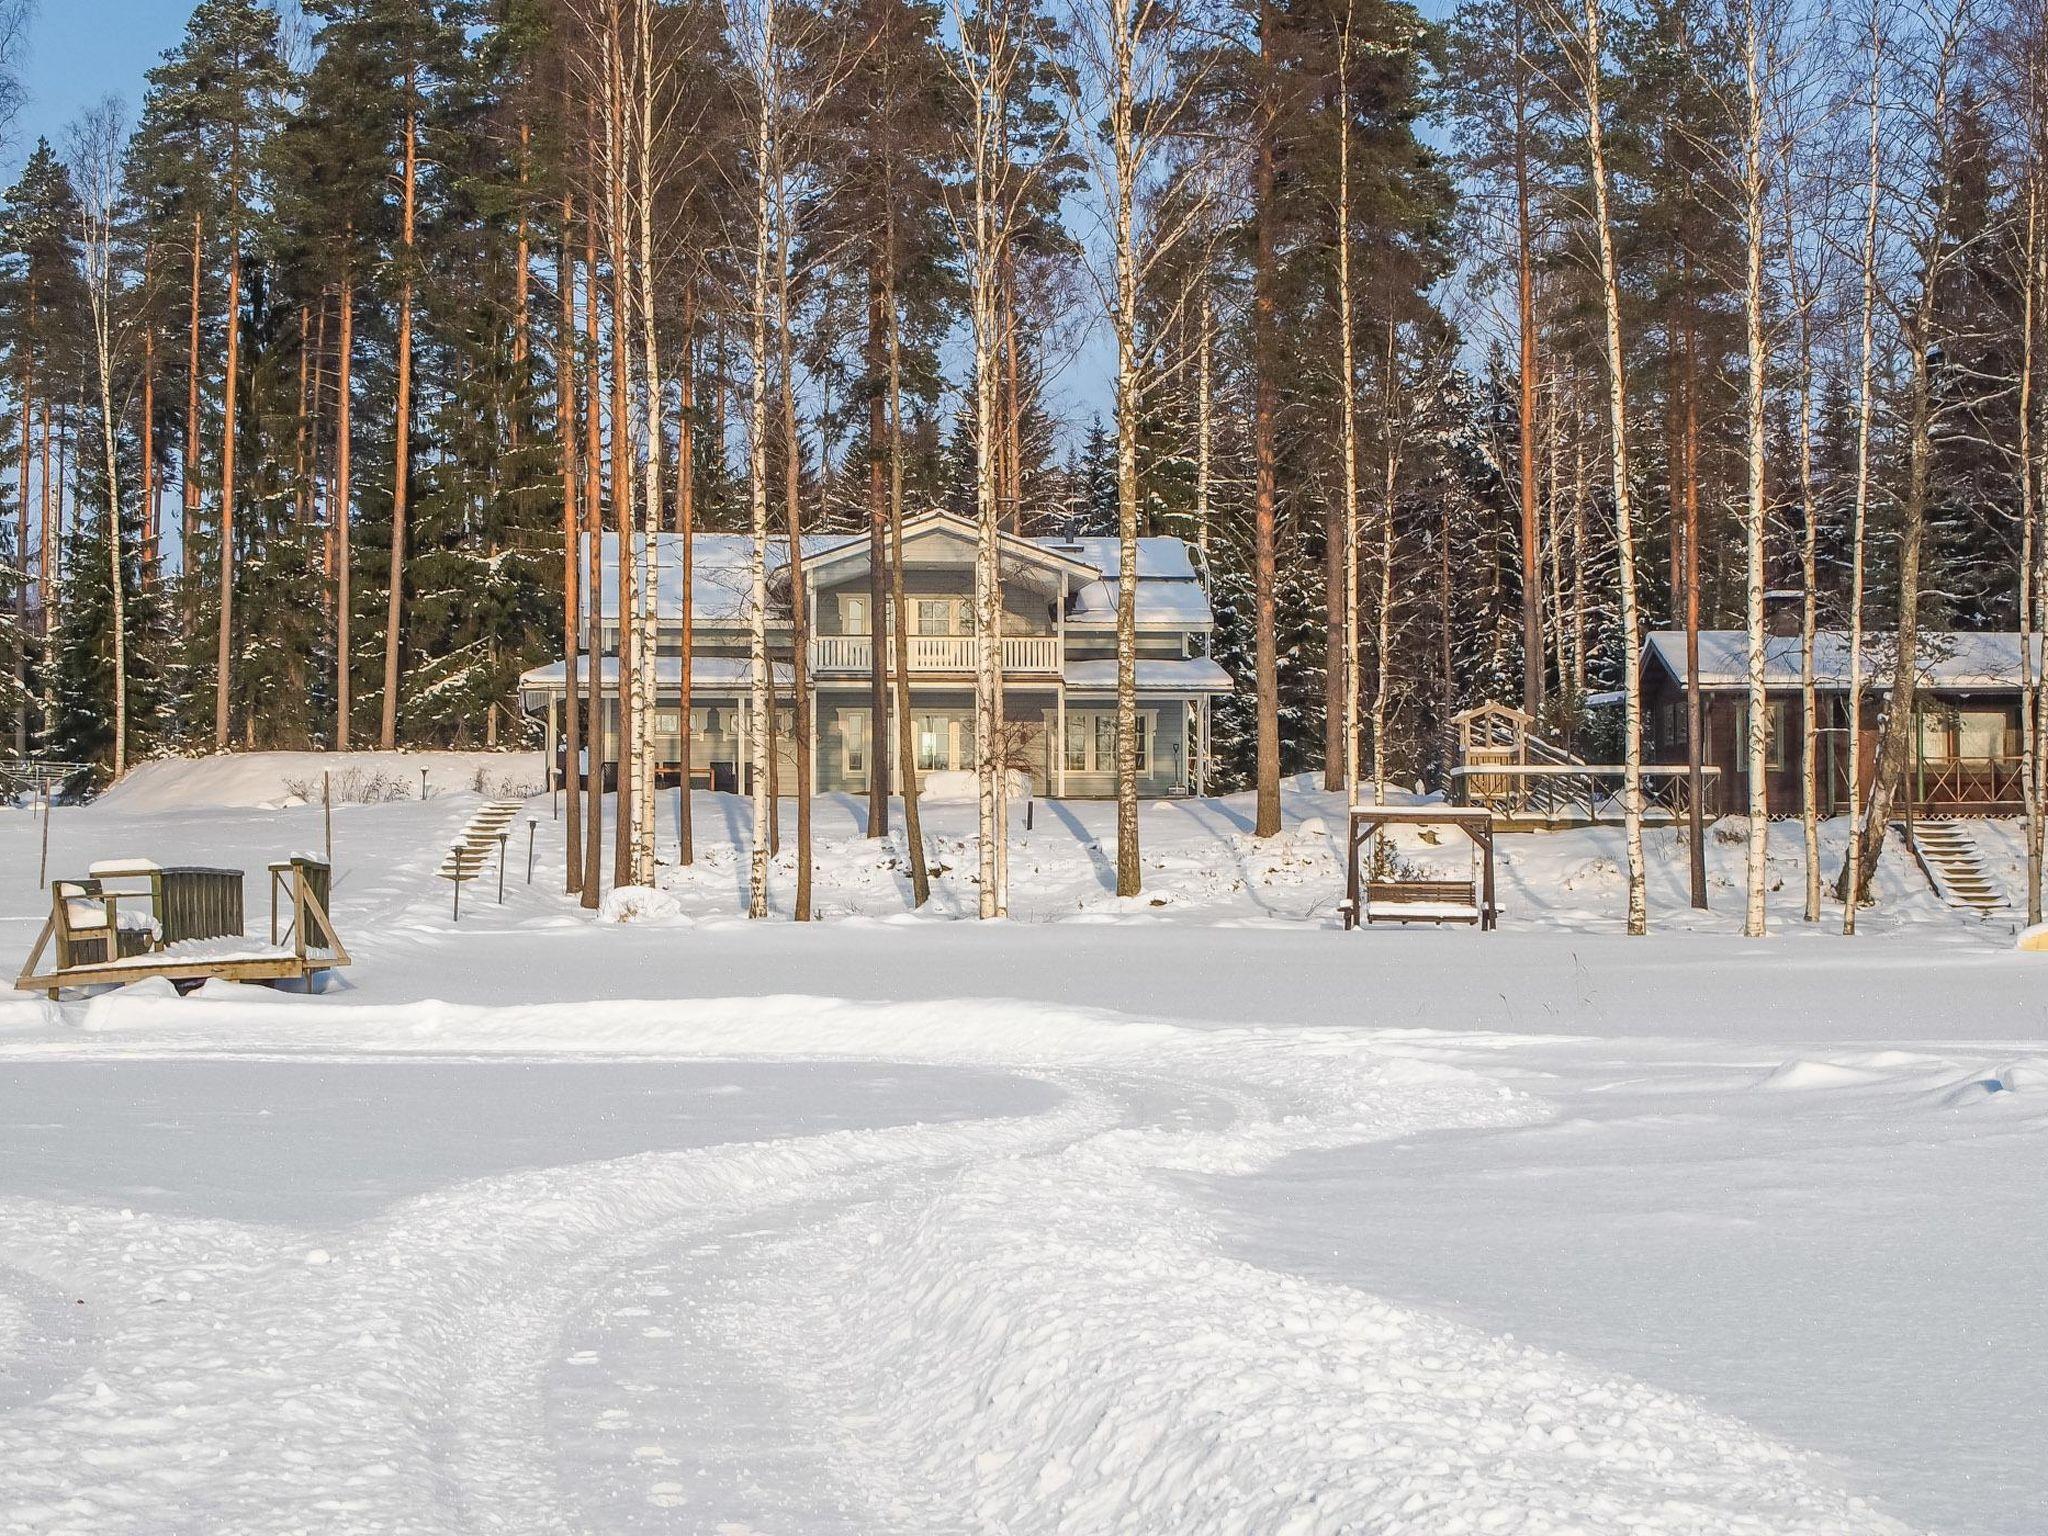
1957,660
853,547
1171,594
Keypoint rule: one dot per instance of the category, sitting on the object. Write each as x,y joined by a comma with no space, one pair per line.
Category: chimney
1784,611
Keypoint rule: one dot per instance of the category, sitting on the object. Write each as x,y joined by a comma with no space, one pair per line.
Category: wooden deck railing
1558,792
937,653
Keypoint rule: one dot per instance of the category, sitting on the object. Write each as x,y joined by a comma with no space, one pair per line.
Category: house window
853,614
941,616
853,742
943,743
666,721
1091,740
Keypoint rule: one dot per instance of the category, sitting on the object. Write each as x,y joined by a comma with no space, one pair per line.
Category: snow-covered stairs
1952,856
477,843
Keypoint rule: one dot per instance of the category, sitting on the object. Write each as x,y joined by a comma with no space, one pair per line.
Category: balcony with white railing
1022,654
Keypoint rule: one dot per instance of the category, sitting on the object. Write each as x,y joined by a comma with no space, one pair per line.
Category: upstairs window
853,614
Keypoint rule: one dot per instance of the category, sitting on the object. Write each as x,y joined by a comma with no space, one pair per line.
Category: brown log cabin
1966,750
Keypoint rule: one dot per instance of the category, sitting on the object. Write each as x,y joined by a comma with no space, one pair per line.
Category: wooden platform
193,933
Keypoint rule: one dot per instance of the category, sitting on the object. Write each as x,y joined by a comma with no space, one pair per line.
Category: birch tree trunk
647,592
1851,885
1347,388
1624,515
1755,188
1803,299
899,620
1265,447
2030,534
766,147
1525,291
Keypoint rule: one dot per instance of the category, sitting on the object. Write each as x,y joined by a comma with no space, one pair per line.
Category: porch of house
1173,750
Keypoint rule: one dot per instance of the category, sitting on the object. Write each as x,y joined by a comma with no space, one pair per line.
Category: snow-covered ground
1183,1214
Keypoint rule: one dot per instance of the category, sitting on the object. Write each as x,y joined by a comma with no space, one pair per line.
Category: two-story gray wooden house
1059,659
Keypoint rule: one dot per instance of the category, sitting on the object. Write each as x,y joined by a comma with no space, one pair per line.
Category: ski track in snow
1009,1324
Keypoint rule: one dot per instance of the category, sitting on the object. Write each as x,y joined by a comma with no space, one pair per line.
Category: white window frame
1094,731
854,615
855,739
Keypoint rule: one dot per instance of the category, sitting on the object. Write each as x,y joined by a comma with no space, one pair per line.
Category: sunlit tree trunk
401,471
1624,515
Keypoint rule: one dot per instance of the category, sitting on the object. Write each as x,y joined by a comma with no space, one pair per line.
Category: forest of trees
1466,352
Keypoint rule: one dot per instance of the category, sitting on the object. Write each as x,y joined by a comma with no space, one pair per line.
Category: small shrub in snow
353,786
640,904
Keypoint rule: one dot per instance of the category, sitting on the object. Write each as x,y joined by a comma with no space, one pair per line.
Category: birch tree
1591,56
1137,75
96,163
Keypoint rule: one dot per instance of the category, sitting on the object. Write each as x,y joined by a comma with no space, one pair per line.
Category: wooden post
43,866
327,812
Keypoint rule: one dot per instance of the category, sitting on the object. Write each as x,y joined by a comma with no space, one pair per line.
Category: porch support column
1059,744
554,703
1059,772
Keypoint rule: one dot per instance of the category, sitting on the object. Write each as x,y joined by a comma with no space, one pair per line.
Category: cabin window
667,722
1775,759
853,614
1091,740
1980,734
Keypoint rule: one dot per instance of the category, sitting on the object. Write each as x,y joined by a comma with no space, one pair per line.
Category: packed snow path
1019,1321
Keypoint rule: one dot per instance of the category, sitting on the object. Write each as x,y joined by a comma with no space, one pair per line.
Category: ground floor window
1776,719
1091,740
853,743
945,743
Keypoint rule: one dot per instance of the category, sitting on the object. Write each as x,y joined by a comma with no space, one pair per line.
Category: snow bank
266,780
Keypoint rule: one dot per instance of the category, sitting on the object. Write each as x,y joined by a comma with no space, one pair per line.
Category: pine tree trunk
190,515
344,508
224,659
387,730
572,586
21,549
1809,573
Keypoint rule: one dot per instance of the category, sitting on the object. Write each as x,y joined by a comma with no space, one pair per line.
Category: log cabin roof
1952,660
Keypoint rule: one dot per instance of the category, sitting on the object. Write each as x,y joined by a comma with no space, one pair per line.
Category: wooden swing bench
1392,899
130,920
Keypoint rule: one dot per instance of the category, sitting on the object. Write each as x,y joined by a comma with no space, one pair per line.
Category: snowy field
1183,1214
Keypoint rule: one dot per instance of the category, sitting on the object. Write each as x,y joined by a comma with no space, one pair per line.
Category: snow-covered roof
721,577
1170,591
1947,659
1191,674
1158,559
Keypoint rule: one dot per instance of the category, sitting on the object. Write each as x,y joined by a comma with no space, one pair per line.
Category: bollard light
532,827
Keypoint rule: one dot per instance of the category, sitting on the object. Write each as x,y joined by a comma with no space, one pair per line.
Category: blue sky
82,50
